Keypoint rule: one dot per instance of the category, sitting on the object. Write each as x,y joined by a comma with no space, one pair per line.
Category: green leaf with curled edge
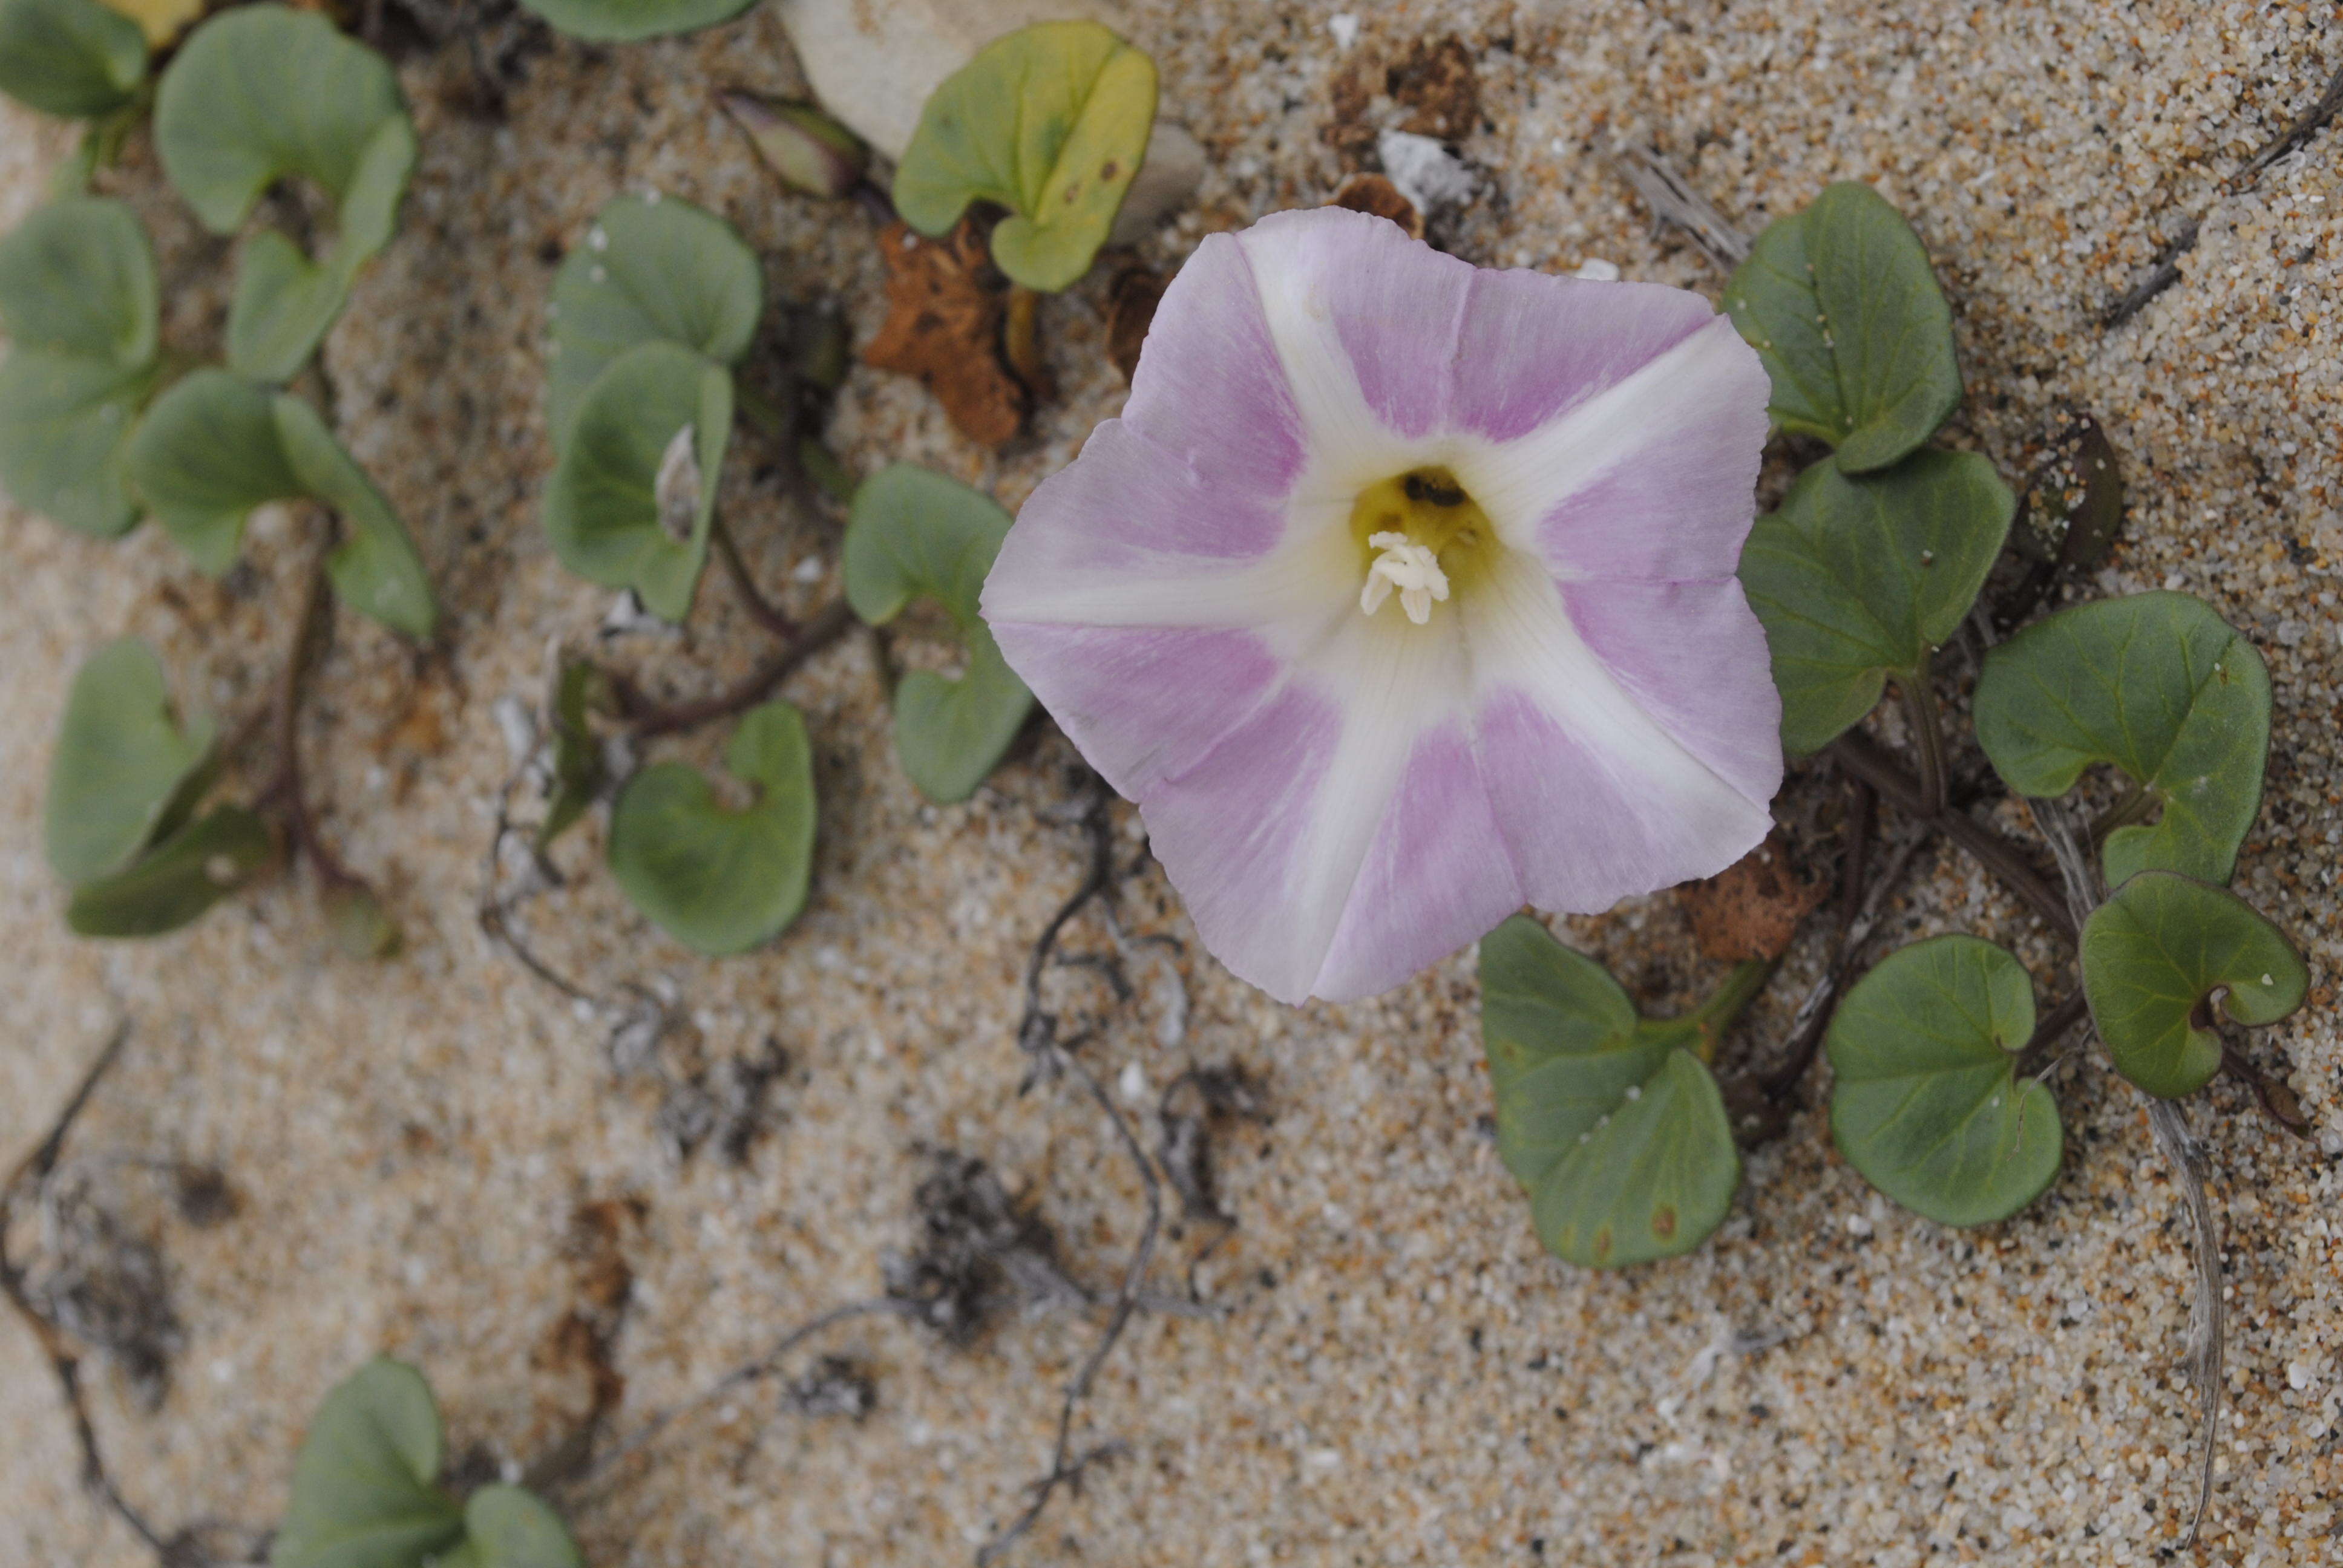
914,534
122,763
260,93
1859,579
178,880
627,21
366,1487
652,269
1926,1100
1840,304
215,447
508,1527
2156,685
78,296
1052,122
632,499
1611,1122
717,880
2159,955
74,58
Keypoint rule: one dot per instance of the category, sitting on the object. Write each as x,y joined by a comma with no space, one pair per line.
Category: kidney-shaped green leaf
366,1485
70,58
1859,579
915,534
63,453
216,446
77,293
176,881
1926,1102
508,1527
205,457
1052,122
260,93
625,21
1839,303
2160,686
717,880
1612,1124
78,279
2159,955
122,762
652,270
633,496
375,569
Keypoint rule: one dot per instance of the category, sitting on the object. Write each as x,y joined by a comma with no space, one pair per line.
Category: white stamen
1408,566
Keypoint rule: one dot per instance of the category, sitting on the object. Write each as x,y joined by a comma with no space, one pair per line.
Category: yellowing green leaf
161,21
1050,122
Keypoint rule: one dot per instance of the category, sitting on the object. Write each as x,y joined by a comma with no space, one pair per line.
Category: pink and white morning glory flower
1402,595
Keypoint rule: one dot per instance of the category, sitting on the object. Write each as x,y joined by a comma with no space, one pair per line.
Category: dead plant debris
1375,195
945,314
1751,909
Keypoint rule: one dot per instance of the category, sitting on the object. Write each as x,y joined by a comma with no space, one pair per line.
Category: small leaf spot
1602,1243
1664,1221
1108,170
1634,1091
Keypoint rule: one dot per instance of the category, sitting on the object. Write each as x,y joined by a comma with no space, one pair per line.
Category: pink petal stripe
1142,702
1694,656
1437,876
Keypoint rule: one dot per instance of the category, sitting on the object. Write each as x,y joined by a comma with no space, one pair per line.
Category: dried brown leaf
1376,196
1751,909
943,329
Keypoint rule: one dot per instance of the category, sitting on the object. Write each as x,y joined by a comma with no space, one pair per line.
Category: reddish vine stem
651,719
1868,762
760,608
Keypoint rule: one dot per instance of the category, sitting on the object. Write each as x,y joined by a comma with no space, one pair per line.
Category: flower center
1418,533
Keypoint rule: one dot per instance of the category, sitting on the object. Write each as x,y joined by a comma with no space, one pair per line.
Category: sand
1396,1373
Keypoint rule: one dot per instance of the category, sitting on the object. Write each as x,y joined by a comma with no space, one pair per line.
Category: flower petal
1142,702
1533,346
1438,874
1597,799
1270,881
1649,479
1693,656
1365,320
